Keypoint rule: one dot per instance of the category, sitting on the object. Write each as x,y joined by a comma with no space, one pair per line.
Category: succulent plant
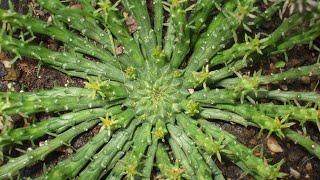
156,101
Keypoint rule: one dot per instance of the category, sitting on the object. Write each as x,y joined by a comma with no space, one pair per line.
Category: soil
27,75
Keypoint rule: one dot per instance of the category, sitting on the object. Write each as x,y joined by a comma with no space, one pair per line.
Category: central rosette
156,93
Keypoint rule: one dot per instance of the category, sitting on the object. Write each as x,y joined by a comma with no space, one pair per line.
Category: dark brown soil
30,76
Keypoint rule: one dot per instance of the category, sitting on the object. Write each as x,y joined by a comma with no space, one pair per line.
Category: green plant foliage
154,102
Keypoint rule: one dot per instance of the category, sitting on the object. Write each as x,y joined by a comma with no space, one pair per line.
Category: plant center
156,93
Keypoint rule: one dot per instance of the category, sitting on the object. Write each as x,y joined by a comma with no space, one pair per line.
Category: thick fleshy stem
252,114
112,21
199,16
288,24
15,164
70,167
304,141
159,131
57,32
200,167
217,75
109,90
53,125
79,20
182,159
105,155
129,164
217,173
202,140
300,114
58,99
146,35
287,96
303,37
291,74
158,21
181,45
148,166
256,44
267,14
210,113
118,156
167,169
241,155
169,39
215,96
64,60
219,33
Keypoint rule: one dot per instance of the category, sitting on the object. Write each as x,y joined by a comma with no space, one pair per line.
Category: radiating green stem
64,60
304,141
105,155
289,111
267,14
118,156
57,32
217,173
291,74
202,140
181,32
182,159
149,162
169,39
287,96
87,5
15,164
229,70
129,164
215,96
222,115
219,33
200,167
252,114
167,169
199,16
256,44
58,99
158,132
79,20
70,167
241,155
303,37
158,21
52,125
117,27
147,38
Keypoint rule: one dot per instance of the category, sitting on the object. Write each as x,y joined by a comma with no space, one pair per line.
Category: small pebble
284,87
294,173
309,166
7,64
273,145
307,176
191,91
119,50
